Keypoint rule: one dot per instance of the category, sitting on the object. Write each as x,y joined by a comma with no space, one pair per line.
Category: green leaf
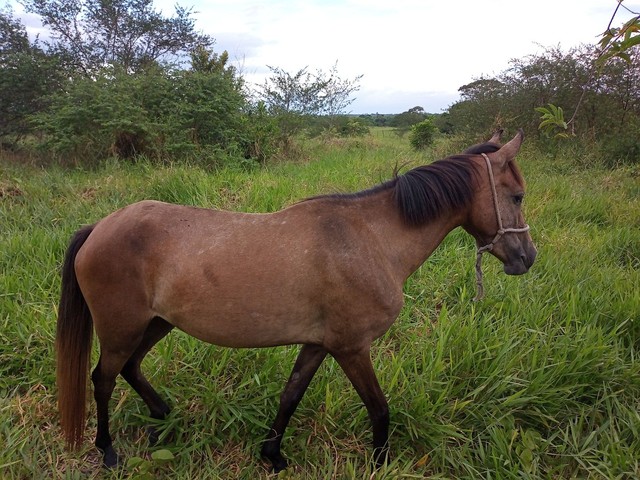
531,439
631,42
134,462
526,457
162,456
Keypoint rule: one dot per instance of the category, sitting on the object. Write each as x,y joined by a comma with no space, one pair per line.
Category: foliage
113,81
405,120
27,74
552,119
306,93
539,381
422,134
259,133
617,43
623,149
102,116
347,126
513,98
296,98
127,103
142,469
339,125
129,34
378,119
156,113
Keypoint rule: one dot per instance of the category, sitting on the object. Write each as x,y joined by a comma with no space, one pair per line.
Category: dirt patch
9,191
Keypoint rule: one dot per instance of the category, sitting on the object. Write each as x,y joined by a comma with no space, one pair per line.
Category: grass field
539,380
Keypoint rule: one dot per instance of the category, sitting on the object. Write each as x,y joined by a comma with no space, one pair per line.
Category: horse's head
495,218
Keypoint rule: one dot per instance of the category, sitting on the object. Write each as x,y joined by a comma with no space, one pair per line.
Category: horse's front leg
309,359
359,370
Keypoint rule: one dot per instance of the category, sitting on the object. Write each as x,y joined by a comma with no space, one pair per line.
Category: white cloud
411,52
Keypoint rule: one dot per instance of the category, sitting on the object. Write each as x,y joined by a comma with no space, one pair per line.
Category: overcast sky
410,52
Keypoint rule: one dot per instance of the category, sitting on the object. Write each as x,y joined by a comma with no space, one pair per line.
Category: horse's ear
495,138
509,150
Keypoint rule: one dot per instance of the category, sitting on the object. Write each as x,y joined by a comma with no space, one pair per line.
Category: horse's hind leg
156,331
309,359
104,381
118,344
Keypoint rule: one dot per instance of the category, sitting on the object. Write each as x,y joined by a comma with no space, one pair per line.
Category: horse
326,272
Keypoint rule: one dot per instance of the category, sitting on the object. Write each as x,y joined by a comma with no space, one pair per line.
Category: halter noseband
501,231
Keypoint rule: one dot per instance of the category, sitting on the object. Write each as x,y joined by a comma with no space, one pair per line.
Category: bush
158,114
422,134
623,149
113,114
260,134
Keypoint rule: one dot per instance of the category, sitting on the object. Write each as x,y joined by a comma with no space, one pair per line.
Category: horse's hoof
110,458
381,456
153,435
279,464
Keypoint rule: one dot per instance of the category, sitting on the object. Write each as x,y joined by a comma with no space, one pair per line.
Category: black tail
73,345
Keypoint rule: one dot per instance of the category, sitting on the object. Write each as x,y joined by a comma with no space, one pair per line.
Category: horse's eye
517,199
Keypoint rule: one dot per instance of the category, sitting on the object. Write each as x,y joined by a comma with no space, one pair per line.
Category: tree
159,112
405,120
480,109
615,43
292,98
306,93
422,134
130,34
27,73
509,99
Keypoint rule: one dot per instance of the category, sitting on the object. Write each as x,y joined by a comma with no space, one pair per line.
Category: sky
409,52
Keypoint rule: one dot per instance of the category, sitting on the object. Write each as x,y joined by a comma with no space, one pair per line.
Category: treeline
601,101
118,78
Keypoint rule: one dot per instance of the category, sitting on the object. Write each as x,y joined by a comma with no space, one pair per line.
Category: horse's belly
244,323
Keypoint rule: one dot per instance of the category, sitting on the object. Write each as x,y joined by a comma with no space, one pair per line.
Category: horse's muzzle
521,264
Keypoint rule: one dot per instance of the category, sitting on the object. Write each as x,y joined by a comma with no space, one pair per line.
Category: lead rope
501,231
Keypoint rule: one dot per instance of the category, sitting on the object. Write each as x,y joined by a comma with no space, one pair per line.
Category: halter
501,231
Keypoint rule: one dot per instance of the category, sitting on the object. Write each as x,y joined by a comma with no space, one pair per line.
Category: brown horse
326,273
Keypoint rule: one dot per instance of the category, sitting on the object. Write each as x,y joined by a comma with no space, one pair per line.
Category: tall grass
539,380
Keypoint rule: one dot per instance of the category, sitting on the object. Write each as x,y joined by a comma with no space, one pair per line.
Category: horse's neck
408,247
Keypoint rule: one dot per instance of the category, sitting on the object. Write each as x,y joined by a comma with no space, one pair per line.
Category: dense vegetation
116,79
606,102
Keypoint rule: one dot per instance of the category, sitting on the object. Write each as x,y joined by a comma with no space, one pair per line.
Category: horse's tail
73,345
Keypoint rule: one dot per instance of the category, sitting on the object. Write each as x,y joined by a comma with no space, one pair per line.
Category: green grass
539,380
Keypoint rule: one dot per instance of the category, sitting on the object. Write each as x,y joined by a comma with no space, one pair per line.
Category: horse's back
230,278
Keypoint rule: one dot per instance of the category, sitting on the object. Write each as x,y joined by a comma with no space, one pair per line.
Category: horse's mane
425,193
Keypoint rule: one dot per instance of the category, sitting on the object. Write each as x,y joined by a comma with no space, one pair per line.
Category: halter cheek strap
501,231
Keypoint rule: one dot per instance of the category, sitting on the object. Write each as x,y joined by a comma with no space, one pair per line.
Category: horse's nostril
528,259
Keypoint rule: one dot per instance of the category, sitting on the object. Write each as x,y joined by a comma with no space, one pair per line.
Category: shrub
422,134
157,113
622,149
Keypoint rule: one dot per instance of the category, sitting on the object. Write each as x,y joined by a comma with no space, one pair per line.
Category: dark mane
425,193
